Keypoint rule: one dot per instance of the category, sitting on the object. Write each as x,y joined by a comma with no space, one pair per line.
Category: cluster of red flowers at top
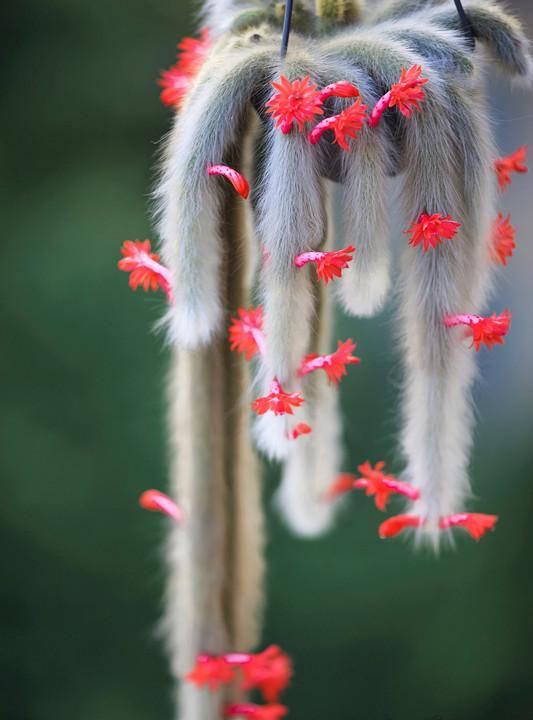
177,80
300,101
269,672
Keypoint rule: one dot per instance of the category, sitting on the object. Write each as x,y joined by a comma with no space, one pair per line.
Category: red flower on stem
257,712
398,523
175,86
334,364
144,267
211,671
503,235
177,80
269,671
342,89
246,332
488,331
328,264
504,166
342,484
300,429
406,95
382,486
277,401
346,125
476,524
431,230
297,101
159,502
239,182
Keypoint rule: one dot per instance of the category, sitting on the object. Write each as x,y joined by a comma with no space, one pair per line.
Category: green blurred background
376,631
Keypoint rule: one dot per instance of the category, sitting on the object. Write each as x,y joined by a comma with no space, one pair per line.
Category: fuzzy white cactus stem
215,560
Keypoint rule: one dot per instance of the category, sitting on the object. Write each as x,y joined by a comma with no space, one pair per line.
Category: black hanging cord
286,27
465,22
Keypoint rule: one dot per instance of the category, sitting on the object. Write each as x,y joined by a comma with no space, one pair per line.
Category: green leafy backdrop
376,631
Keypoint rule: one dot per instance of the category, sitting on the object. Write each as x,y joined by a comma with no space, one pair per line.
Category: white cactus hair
443,158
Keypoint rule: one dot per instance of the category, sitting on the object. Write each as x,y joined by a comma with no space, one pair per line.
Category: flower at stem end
277,401
488,331
328,264
144,267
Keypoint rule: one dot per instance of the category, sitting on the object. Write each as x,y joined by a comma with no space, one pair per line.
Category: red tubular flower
504,166
144,267
333,364
431,230
328,264
257,712
503,235
239,182
277,401
177,80
345,125
487,331
405,95
476,524
382,486
342,89
298,101
342,484
300,429
211,671
159,502
398,523
246,332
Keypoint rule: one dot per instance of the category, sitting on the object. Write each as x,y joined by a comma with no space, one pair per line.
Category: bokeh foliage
377,631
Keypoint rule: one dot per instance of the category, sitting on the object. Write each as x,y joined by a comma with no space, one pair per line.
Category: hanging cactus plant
261,145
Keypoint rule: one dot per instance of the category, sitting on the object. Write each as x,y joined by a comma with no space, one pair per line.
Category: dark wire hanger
287,19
